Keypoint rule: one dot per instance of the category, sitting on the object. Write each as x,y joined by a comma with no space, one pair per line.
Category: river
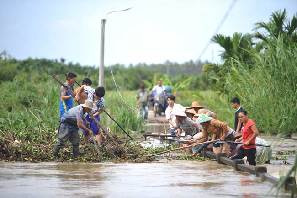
158,179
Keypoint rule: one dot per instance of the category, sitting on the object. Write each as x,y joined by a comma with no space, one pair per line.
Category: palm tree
236,46
278,26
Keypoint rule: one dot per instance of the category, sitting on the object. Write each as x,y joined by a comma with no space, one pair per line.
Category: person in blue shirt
67,94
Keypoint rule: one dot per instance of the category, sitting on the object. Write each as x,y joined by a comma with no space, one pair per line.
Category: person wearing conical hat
196,106
190,112
218,130
183,123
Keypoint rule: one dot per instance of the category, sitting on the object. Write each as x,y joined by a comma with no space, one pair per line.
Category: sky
153,31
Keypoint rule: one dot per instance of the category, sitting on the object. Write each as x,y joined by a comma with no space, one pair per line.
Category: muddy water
166,179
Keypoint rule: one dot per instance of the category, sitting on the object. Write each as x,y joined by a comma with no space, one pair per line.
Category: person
218,130
70,123
196,106
183,123
168,113
84,92
99,108
158,93
235,103
249,133
67,94
142,101
190,112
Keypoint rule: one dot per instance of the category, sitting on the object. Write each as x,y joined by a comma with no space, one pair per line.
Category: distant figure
249,134
67,94
71,121
142,101
158,93
235,103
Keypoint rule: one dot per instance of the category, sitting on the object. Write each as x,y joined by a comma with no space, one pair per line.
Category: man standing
158,93
235,103
71,121
142,101
67,94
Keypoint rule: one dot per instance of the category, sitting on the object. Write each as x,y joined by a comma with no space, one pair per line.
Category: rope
132,109
218,28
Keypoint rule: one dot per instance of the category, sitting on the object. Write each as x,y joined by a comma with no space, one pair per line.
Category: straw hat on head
203,118
191,111
195,104
88,104
179,112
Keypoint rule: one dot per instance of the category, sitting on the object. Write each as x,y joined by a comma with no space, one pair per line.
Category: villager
183,123
196,106
71,121
207,112
218,130
93,119
158,93
249,133
168,113
84,92
190,112
235,103
66,94
142,101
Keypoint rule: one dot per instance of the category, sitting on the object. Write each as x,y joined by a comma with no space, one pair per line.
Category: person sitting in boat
183,123
218,130
168,113
249,133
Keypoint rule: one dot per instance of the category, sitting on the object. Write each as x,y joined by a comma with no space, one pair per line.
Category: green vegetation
260,69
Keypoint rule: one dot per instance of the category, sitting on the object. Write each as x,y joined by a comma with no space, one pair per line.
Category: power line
218,28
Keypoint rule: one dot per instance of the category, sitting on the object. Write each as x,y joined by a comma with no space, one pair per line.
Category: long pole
101,67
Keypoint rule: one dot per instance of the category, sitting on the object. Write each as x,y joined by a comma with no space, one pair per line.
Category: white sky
153,31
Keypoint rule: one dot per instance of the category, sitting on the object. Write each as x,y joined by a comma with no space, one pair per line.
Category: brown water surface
164,179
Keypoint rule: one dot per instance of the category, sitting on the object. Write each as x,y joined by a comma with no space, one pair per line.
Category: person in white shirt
168,113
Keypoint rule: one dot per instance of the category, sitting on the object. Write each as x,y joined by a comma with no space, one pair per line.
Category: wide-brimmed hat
195,104
88,104
179,112
203,118
191,111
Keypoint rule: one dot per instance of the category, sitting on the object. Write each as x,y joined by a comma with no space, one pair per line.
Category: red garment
247,133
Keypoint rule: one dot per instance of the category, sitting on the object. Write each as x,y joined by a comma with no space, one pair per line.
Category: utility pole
101,67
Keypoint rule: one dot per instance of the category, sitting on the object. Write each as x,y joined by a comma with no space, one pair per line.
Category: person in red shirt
248,139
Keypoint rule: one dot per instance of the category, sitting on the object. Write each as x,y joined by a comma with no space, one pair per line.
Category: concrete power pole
101,67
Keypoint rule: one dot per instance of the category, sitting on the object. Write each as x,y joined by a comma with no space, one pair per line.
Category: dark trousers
67,132
249,153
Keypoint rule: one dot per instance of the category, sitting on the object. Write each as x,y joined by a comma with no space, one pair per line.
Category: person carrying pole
71,121
67,94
